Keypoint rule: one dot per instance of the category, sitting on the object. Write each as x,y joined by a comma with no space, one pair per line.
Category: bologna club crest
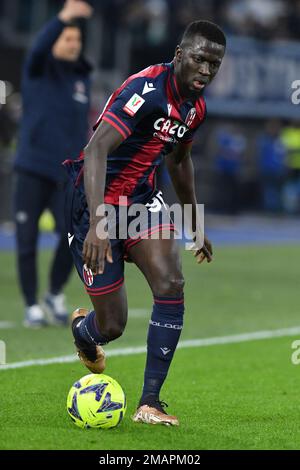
190,117
87,276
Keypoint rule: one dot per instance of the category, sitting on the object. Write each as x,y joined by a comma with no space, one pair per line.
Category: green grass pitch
234,396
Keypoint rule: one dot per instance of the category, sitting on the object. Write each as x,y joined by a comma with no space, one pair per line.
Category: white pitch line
138,313
4,325
190,343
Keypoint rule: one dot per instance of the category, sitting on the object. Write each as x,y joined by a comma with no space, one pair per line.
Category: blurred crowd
155,26
258,168
241,164
163,20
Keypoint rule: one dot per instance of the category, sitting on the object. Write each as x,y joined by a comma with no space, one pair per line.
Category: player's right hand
205,252
96,251
73,9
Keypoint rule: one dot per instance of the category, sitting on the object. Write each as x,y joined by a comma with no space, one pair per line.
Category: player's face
196,65
68,46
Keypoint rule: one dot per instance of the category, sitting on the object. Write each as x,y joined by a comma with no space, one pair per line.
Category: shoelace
160,405
163,403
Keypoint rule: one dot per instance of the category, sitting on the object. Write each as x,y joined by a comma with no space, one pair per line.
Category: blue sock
163,335
86,331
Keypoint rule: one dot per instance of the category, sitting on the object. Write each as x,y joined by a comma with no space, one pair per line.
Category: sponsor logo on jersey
134,104
165,138
87,275
169,130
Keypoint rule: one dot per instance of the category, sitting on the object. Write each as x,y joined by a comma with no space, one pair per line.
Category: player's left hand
205,252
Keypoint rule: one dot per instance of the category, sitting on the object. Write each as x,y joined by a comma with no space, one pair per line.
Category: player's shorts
153,222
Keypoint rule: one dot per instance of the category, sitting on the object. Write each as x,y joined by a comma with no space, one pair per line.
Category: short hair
204,28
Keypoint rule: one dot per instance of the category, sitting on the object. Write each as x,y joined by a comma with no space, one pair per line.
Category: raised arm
47,37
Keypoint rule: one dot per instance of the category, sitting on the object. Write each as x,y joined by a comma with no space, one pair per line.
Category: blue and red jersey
151,116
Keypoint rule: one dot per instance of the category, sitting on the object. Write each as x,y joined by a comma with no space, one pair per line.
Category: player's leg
62,264
159,261
107,321
104,324
29,202
111,313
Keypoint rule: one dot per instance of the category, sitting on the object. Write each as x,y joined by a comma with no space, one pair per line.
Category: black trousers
33,194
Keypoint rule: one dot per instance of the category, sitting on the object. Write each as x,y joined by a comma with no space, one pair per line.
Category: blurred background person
55,91
228,161
290,137
272,166
8,128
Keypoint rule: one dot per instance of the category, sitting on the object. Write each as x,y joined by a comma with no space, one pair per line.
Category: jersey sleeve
196,121
128,106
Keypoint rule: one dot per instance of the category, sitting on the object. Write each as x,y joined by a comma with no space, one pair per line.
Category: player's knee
113,330
26,244
113,326
170,287
26,253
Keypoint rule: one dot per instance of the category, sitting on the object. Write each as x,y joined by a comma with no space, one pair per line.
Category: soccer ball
96,401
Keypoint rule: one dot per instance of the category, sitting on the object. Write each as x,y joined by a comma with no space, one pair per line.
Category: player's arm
116,124
45,40
181,170
96,247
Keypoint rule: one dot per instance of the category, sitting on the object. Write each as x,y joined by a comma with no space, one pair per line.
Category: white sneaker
55,308
34,317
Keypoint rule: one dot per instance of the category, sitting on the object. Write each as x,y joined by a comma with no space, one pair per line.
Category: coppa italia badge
134,104
87,276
